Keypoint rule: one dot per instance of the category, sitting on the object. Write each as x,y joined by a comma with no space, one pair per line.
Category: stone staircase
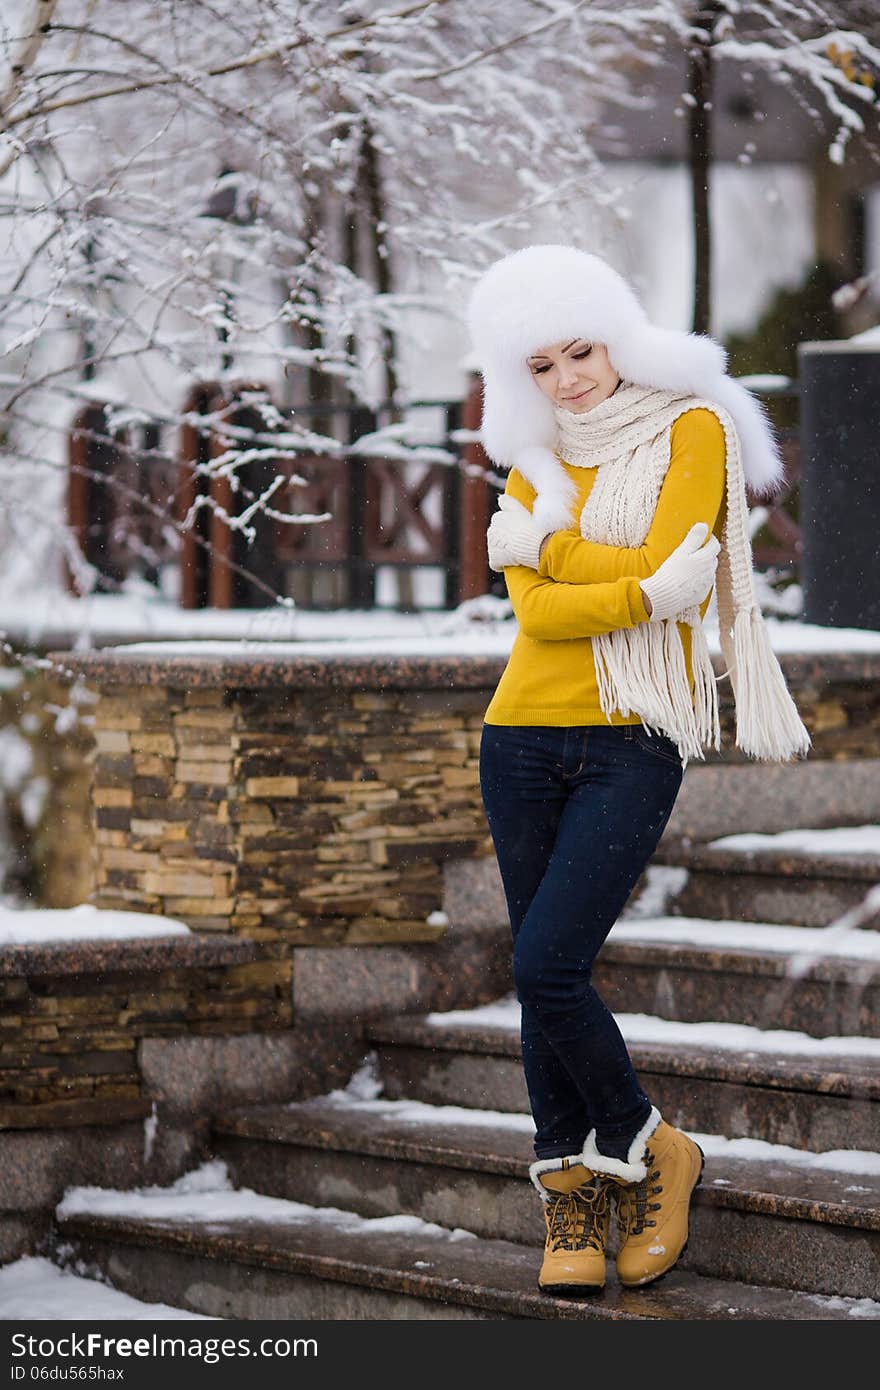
762,1039
771,882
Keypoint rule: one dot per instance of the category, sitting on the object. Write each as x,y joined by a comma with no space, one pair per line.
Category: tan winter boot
653,1193
576,1209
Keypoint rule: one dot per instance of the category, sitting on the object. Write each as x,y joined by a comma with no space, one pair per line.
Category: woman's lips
581,396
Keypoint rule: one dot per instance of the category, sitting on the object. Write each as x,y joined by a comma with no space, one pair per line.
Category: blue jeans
575,814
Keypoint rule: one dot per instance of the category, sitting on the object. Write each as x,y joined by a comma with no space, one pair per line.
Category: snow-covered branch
208,205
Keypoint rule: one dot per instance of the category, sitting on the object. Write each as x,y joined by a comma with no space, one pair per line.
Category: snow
766,381
482,643
417,1112
364,1083
742,1038
46,926
845,839
853,1307
501,1013
206,1196
33,1289
817,942
158,627
644,1028
860,1161
869,339
663,883
138,615
362,1095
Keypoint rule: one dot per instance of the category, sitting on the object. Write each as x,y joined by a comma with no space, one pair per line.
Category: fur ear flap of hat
545,294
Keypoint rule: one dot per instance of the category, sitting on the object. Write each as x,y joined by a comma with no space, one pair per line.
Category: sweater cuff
543,565
637,603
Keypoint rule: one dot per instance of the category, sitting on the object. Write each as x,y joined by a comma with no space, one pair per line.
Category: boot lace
576,1220
634,1201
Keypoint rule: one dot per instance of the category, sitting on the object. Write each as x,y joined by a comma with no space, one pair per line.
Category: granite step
771,882
345,1268
775,1221
754,1087
761,974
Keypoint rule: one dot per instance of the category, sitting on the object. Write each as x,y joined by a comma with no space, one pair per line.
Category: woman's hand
514,538
685,577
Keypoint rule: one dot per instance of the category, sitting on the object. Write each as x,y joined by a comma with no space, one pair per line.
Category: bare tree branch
23,56
247,60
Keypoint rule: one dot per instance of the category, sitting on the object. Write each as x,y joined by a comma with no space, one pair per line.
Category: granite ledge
126,955
284,669
243,669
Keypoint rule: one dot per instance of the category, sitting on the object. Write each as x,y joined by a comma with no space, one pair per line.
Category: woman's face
575,374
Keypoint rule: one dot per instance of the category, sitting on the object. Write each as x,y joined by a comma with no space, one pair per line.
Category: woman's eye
536,371
584,352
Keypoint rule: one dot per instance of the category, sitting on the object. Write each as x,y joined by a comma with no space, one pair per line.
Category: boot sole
655,1278
571,1290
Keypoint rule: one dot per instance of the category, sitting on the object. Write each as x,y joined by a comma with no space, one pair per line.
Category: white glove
685,577
514,537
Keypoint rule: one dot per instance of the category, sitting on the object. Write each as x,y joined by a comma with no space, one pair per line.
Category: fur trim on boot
634,1169
550,1165
576,1214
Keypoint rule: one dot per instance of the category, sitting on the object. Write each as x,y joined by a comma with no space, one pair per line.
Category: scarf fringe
768,725
705,686
642,670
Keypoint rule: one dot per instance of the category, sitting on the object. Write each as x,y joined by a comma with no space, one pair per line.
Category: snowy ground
139,616
133,617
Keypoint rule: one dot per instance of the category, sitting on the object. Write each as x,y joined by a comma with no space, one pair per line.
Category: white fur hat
544,294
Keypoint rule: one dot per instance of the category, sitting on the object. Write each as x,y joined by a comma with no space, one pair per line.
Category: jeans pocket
659,744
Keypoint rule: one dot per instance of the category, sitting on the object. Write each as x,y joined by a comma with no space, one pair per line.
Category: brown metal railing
380,512
136,507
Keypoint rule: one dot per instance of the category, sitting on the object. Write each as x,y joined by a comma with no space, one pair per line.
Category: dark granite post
840,492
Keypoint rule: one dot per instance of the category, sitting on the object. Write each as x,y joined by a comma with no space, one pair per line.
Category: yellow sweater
582,588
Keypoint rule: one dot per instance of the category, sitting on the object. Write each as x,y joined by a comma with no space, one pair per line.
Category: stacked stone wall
291,817
72,1017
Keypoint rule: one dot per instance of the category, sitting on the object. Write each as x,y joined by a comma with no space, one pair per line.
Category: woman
628,445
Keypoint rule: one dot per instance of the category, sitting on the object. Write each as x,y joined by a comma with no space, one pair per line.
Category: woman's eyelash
585,352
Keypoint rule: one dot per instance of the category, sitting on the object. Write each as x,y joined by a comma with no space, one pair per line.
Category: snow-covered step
720,1078
34,1286
815,980
240,1254
806,878
764,1214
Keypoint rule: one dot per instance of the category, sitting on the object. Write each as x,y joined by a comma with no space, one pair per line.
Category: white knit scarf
642,670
